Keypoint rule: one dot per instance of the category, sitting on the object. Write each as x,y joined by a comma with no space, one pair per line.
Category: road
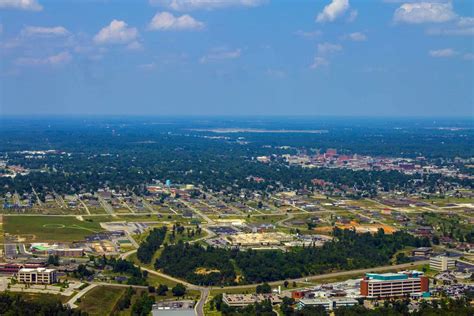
83,205
73,300
199,308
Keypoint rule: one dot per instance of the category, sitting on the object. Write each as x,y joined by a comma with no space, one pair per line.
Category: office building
393,284
442,263
37,276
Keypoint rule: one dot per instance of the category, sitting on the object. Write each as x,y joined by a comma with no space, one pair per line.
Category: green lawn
49,228
101,300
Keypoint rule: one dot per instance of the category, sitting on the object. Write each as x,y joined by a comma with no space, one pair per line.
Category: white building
442,263
328,303
37,276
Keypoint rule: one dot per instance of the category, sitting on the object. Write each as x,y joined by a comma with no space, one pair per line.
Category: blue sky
237,57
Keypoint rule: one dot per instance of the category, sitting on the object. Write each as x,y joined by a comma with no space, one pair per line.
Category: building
37,276
69,252
15,267
242,300
328,303
173,308
393,284
442,263
422,252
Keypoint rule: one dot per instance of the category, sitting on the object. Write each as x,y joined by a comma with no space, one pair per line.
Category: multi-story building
393,284
442,263
37,276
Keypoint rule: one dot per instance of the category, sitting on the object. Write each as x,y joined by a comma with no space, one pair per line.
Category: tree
179,290
53,260
162,289
263,288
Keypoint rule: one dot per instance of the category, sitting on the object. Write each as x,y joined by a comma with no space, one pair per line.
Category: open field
48,228
101,300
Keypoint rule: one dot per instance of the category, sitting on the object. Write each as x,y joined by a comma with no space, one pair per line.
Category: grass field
101,300
49,228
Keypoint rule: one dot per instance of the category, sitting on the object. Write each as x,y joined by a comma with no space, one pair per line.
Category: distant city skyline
384,58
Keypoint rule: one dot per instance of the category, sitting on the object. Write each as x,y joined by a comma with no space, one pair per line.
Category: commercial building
393,284
15,267
328,303
422,252
37,276
442,263
173,308
241,300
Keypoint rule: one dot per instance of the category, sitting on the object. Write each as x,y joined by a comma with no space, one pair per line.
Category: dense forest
15,304
152,243
348,251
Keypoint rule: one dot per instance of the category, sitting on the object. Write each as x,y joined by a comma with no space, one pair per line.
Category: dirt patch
205,271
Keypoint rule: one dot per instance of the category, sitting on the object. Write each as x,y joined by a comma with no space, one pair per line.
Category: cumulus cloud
332,11
466,21
319,62
117,32
424,12
323,52
44,31
357,37
165,21
59,59
220,54
443,53
328,48
188,5
29,5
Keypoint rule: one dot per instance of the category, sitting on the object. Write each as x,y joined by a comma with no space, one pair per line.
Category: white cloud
135,45
220,54
166,21
328,48
353,16
59,59
44,31
333,10
188,5
357,37
319,62
424,12
443,53
466,21
117,32
312,34
29,5
468,56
